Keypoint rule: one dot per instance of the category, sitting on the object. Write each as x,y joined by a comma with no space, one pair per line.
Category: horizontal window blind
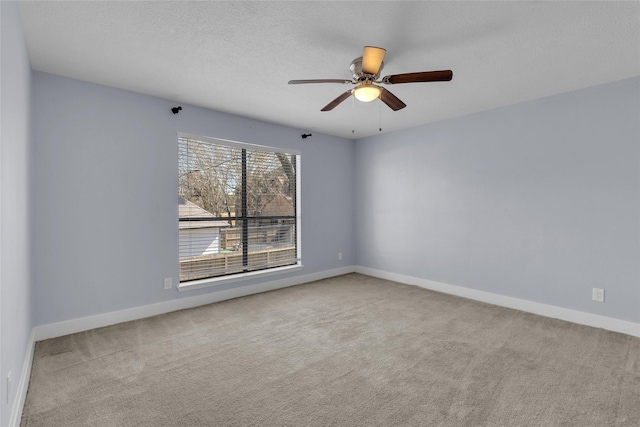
236,207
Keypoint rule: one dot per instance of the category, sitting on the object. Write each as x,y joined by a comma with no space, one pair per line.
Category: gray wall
15,245
105,191
539,201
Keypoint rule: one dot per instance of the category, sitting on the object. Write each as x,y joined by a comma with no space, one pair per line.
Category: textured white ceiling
237,56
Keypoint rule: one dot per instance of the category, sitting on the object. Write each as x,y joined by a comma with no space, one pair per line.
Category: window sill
217,281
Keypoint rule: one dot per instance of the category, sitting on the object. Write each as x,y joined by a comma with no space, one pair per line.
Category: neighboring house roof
189,210
274,205
278,205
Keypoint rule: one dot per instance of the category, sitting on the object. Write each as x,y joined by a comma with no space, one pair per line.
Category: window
237,208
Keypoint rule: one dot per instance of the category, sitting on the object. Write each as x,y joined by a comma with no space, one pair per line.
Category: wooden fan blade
297,82
372,59
391,100
425,76
333,104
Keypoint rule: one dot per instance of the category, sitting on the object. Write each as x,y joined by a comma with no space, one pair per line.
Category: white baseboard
100,320
67,327
574,316
23,384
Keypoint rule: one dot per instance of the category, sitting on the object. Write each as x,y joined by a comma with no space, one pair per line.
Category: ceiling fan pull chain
353,106
380,127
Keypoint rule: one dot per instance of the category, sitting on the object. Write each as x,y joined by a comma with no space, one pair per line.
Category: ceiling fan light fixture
366,92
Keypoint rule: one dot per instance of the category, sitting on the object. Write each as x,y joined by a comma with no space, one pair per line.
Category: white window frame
222,280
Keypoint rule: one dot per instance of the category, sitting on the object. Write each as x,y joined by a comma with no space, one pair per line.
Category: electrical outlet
168,283
8,386
339,256
597,295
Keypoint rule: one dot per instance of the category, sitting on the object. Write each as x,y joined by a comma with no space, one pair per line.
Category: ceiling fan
366,71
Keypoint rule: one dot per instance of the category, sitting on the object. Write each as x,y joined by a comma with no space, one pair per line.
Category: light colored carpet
347,351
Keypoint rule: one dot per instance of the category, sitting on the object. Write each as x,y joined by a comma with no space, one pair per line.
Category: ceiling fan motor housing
358,74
